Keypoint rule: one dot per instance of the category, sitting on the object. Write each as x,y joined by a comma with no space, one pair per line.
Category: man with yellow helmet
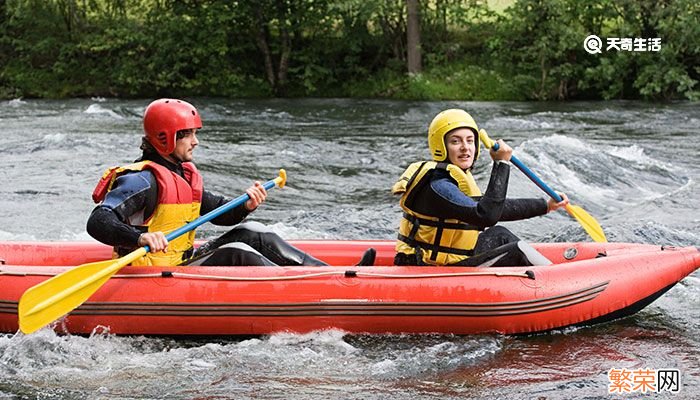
446,219
162,191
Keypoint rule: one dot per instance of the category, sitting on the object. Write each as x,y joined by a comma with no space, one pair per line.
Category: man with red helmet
162,191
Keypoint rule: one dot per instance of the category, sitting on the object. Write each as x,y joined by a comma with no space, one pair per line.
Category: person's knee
503,234
252,226
241,254
251,233
232,254
500,231
494,237
238,247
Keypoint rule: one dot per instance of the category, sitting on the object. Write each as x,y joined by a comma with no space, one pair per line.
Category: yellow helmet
443,124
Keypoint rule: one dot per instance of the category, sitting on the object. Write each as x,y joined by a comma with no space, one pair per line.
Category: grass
453,82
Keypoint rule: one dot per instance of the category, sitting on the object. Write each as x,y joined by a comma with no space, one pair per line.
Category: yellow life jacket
179,202
438,241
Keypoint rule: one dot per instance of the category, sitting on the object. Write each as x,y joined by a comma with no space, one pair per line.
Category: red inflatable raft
589,283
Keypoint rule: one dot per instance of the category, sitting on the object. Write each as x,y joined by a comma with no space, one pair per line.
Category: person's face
185,144
461,147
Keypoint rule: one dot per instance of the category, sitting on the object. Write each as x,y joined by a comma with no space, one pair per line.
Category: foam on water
98,109
290,232
554,161
515,123
54,138
135,366
13,236
81,236
629,153
559,142
18,102
579,168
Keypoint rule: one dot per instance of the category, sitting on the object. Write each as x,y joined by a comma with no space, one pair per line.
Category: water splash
582,168
18,102
98,109
54,138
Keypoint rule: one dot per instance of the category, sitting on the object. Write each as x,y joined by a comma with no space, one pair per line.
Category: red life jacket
179,202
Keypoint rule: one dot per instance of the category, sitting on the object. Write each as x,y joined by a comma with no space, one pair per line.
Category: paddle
589,224
50,300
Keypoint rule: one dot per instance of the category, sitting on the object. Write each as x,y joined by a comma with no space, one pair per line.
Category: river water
633,166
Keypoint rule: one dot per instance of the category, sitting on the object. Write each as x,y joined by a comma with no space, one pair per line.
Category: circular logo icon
592,44
570,253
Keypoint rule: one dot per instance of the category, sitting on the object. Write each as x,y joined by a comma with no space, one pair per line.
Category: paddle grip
534,178
213,214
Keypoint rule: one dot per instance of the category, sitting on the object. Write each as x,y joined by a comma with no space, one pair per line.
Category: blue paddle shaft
213,214
532,176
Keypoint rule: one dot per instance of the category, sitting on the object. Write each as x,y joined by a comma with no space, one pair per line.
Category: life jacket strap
434,248
437,224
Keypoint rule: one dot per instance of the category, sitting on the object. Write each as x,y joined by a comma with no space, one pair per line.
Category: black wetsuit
133,199
442,198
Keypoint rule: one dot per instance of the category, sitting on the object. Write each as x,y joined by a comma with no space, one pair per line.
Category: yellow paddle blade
281,180
485,139
589,224
50,300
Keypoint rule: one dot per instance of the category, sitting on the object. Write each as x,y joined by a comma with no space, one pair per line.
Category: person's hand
257,194
504,151
155,241
553,205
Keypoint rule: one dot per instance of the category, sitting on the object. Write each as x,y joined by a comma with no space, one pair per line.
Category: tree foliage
542,42
243,48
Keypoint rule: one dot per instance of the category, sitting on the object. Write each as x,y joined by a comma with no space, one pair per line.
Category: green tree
539,42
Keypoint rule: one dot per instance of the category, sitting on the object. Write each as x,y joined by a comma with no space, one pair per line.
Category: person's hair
146,146
181,133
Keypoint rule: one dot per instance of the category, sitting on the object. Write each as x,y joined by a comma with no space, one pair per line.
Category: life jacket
178,203
437,241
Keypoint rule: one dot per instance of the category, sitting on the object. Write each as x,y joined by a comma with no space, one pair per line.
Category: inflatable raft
588,283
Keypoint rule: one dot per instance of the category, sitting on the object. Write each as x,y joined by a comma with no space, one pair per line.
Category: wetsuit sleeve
211,201
517,209
132,194
443,199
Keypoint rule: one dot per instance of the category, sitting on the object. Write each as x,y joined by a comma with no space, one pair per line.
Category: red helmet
164,117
